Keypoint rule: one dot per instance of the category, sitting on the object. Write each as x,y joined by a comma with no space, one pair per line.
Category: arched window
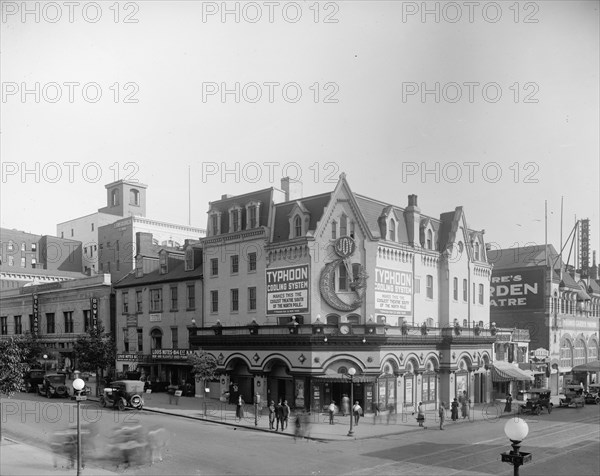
134,197
476,250
114,200
333,319
297,226
392,233
430,286
156,336
429,241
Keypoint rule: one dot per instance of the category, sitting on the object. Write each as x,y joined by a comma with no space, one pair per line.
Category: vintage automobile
572,395
122,394
54,385
593,393
32,379
535,400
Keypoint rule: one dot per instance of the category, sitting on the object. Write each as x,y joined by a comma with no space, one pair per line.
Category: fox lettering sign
517,289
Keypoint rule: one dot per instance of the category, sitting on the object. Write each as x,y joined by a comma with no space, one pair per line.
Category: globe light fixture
516,430
351,373
78,386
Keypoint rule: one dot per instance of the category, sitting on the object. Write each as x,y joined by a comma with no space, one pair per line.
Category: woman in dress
421,415
464,407
508,406
239,410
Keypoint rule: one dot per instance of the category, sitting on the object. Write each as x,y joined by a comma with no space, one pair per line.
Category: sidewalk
369,426
20,459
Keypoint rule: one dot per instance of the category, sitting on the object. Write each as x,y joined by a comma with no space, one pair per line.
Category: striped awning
505,372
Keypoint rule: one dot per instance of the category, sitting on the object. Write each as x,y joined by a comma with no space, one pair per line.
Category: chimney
292,188
593,272
225,196
412,217
143,242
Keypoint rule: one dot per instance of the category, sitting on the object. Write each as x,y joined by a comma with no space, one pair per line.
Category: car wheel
597,400
121,405
538,410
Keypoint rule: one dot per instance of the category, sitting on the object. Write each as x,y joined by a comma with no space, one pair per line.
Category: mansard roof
265,197
314,205
525,257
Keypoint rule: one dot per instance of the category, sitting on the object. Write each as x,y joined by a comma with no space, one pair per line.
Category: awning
505,372
593,366
332,376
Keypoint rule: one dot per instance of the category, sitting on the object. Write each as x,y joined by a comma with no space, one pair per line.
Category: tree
12,368
32,349
95,351
204,367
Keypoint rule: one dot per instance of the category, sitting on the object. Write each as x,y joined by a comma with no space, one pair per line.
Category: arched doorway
280,382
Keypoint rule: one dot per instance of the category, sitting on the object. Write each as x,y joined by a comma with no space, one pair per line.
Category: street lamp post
516,430
45,361
78,385
351,372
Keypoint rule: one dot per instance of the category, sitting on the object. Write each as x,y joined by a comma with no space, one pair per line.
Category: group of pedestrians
279,415
464,405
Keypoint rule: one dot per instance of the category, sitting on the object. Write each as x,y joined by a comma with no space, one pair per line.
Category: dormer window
189,259
235,219
252,215
343,225
163,257
429,240
476,250
297,226
214,223
392,230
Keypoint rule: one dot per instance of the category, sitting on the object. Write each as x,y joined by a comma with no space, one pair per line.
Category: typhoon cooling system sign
287,290
393,292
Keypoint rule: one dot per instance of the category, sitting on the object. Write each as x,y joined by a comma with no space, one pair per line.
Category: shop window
428,394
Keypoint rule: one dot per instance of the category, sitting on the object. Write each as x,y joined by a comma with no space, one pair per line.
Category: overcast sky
498,101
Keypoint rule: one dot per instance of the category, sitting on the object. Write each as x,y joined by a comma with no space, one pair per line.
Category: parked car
54,385
122,394
32,379
572,395
593,393
535,400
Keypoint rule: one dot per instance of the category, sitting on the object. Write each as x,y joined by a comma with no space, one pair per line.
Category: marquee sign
517,289
172,354
585,247
94,308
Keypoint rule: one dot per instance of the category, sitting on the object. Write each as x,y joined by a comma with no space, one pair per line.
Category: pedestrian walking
454,410
286,414
442,415
390,411
345,405
508,406
239,410
331,410
465,405
279,416
298,427
356,411
421,415
272,415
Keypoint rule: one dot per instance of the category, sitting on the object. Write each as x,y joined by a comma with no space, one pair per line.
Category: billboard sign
393,292
287,290
517,289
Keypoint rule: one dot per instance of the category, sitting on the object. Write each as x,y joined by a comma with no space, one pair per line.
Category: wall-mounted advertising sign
393,292
94,308
585,247
287,290
36,314
517,289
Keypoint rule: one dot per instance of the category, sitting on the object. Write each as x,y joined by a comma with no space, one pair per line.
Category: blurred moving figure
64,444
158,438
128,445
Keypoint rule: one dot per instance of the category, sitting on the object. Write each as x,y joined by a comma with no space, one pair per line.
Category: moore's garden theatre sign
517,289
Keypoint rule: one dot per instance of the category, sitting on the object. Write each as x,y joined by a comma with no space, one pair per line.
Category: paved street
564,442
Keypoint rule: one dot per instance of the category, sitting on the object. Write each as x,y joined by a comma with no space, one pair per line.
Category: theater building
298,290
533,289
